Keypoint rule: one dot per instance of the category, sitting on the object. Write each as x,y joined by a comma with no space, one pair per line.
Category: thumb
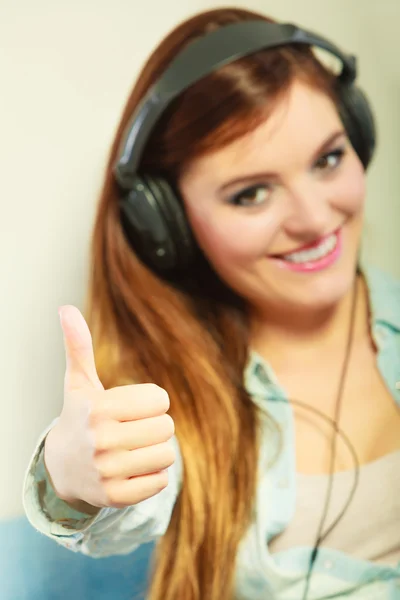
80,364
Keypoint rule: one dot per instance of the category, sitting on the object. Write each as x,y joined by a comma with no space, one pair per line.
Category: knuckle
95,414
100,498
102,439
96,409
119,496
112,495
160,395
162,480
168,425
169,454
103,466
164,399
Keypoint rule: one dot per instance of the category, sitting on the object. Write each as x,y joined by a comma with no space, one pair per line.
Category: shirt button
328,564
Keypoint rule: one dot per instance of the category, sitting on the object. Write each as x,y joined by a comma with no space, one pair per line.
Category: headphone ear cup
358,119
155,225
144,227
172,210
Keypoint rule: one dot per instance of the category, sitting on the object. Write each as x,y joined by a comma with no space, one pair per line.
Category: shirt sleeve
109,531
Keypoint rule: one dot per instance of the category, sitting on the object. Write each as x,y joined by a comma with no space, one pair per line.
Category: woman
273,305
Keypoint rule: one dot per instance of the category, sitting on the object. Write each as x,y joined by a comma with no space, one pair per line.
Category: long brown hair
195,345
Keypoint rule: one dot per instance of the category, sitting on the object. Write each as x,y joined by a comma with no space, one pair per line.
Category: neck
302,329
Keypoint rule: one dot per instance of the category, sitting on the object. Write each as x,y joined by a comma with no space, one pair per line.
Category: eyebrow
251,177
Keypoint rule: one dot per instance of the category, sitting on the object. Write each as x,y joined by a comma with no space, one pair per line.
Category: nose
309,211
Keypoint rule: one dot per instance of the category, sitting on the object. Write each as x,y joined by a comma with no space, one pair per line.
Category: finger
127,492
81,368
132,402
123,464
131,435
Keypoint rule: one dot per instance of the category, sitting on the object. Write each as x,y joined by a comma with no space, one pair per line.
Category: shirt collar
258,374
384,297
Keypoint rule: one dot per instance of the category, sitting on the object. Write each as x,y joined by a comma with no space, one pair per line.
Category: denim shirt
260,575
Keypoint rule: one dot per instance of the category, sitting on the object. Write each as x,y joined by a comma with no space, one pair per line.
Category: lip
309,244
315,265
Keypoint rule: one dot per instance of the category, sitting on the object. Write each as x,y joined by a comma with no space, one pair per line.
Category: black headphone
151,214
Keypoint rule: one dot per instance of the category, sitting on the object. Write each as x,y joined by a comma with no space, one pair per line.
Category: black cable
356,463
337,432
353,453
320,536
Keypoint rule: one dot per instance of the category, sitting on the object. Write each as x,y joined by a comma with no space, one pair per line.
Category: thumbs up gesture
108,447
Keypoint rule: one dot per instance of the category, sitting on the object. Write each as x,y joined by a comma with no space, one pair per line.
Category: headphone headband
202,57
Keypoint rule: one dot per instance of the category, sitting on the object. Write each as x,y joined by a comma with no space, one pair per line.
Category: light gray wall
65,71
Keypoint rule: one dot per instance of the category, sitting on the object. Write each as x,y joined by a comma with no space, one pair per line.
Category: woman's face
278,213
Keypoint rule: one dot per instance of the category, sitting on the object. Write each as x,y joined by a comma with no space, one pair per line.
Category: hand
108,448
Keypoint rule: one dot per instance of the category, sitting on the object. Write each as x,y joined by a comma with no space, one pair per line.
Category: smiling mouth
323,248
315,256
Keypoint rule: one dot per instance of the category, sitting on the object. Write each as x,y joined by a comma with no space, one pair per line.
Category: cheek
350,193
228,238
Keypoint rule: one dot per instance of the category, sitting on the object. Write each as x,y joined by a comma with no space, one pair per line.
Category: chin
326,290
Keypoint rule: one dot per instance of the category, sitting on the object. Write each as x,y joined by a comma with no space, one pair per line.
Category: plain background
66,69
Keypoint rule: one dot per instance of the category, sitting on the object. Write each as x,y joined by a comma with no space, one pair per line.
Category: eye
252,196
331,160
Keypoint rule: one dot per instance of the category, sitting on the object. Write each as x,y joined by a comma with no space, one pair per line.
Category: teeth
313,253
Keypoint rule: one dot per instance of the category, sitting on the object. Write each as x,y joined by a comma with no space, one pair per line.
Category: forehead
299,124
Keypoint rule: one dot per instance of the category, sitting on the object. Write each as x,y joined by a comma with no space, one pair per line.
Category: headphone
151,213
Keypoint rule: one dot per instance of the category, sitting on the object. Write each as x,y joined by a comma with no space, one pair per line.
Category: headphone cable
320,535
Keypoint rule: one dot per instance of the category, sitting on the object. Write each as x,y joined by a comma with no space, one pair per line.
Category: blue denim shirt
260,575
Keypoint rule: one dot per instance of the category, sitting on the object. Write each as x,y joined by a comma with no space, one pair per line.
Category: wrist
50,460
53,464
